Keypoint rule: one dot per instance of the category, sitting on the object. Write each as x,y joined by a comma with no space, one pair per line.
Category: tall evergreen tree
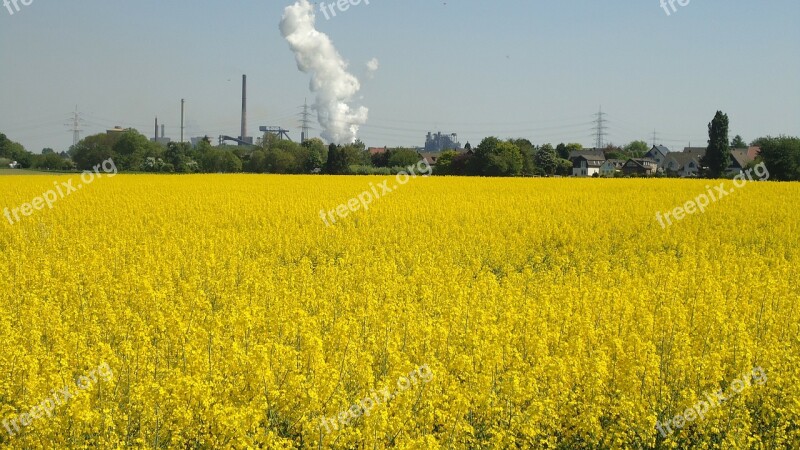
718,153
337,160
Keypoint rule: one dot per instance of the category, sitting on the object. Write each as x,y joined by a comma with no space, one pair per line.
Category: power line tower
655,137
75,126
600,129
305,122
183,106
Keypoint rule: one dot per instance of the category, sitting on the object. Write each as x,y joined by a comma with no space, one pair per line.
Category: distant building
430,158
118,130
658,153
740,158
698,152
587,165
589,152
161,139
611,167
689,161
197,140
440,142
683,164
640,166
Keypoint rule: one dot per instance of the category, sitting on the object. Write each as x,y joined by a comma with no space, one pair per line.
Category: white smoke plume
373,65
333,85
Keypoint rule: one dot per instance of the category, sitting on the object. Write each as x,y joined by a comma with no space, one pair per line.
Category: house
740,158
594,152
377,150
611,167
587,165
640,166
752,152
682,164
658,153
430,157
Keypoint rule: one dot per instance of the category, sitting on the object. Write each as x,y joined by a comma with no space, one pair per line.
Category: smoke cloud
333,86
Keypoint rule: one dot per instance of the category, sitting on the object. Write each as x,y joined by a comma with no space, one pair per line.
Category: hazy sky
511,68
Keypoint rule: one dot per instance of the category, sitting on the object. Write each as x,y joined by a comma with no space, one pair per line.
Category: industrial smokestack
155,136
243,137
162,131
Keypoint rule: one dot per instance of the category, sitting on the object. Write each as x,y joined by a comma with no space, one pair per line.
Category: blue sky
513,68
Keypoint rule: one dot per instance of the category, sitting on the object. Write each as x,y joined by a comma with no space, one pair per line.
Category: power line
600,129
305,122
75,126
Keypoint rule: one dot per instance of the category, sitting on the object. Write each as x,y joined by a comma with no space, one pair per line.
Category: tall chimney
162,131
244,108
155,137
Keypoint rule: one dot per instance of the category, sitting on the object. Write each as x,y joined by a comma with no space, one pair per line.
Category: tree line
493,157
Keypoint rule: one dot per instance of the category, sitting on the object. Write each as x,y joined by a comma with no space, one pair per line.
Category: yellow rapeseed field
219,311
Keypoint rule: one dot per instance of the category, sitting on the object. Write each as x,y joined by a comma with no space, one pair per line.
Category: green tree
337,161
354,155
504,161
359,145
14,151
718,154
93,150
279,160
49,161
781,155
527,150
636,149
444,164
480,161
496,158
317,154
403,157
563,167
738,142
219,160
179,155
231,163
130,150
381,159
563,151
257,162
546,159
